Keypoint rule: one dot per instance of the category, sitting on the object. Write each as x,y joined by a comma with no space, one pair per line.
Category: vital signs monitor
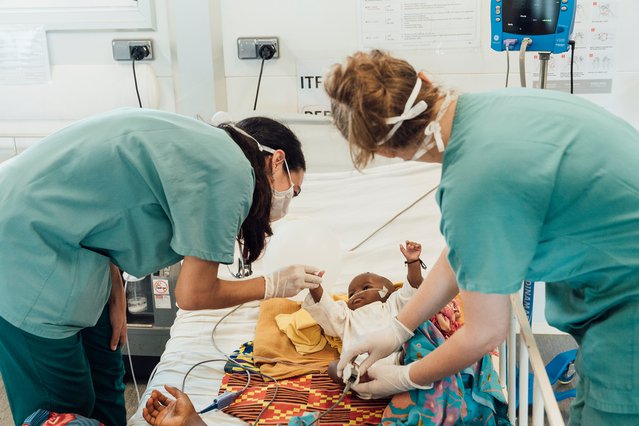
547,24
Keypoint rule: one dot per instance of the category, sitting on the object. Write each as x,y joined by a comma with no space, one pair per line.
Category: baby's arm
328,313
411,252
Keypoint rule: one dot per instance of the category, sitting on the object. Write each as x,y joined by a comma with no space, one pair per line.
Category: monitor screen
530,17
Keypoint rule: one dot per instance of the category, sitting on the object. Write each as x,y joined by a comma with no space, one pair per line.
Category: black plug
266,51
139,52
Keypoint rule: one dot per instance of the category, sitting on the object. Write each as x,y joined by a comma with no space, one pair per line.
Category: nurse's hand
387,380
378,344
289,281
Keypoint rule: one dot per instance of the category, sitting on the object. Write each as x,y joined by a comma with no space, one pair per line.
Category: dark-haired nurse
131,190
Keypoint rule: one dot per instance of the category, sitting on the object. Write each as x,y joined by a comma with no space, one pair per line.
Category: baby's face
367,281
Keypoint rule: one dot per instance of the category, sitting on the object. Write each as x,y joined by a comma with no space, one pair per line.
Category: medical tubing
229,359
225,397
221,402
347,388
507,43
388,222
522,60
135,383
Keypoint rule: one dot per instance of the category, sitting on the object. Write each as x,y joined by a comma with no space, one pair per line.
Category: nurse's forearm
457,353
198,287
438,288
485,328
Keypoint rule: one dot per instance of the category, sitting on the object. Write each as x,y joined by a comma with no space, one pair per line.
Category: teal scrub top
544,186
139,188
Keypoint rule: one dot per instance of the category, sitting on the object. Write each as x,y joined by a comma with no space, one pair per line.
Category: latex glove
378,344
386,380
289,281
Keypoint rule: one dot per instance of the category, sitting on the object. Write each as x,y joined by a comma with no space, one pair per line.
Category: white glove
289,281
386,380
378,344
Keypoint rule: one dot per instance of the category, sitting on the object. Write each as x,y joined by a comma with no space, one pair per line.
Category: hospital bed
369,214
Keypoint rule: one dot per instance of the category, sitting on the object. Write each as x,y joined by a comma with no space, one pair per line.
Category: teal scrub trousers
78,374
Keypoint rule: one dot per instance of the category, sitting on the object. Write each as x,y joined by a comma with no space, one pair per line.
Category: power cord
572,63
137,54
266,52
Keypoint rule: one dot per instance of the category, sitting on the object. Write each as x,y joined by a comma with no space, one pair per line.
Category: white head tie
259,145
410,111
434,131
434,128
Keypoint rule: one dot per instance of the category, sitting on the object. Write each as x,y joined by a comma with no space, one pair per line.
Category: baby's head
366,289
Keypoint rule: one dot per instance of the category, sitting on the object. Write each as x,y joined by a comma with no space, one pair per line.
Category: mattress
365,214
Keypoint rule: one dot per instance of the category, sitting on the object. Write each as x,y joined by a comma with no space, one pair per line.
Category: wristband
406,262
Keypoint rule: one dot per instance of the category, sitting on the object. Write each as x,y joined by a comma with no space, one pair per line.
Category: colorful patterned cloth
295,396
49,418
472,397
244,356
303,394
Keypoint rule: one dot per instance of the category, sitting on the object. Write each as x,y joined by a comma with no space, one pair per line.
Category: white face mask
281,199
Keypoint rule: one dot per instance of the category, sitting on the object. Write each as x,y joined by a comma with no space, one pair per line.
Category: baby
372,302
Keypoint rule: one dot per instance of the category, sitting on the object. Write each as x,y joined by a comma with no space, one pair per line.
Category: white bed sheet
353,206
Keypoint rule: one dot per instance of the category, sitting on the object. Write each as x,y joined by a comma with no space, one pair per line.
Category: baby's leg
332,372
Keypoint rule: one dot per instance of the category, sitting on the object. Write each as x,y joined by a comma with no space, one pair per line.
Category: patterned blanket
314,392
295,396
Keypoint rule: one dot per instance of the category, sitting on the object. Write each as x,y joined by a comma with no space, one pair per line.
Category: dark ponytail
256,228
273,134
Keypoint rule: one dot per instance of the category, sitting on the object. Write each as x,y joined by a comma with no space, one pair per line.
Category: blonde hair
366,90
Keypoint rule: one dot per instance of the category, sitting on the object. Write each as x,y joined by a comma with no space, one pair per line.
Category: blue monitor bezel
556,42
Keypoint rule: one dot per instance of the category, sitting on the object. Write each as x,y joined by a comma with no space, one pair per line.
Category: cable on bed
389,221
220,401
347,388
242,366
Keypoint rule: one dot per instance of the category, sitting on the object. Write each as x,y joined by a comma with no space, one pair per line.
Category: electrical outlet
249,47
122,49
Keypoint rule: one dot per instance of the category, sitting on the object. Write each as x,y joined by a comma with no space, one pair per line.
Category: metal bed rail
543,400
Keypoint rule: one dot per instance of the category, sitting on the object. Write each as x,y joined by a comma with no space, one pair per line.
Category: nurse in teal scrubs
131,190
536,185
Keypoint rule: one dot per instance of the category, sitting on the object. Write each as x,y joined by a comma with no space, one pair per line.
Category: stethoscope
244,268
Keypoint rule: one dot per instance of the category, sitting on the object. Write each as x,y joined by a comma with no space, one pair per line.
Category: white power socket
249,47
122,49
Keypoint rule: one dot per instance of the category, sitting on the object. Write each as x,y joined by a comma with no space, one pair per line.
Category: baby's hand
412,251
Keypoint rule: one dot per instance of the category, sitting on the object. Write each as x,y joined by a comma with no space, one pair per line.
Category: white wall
196,69
329,30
